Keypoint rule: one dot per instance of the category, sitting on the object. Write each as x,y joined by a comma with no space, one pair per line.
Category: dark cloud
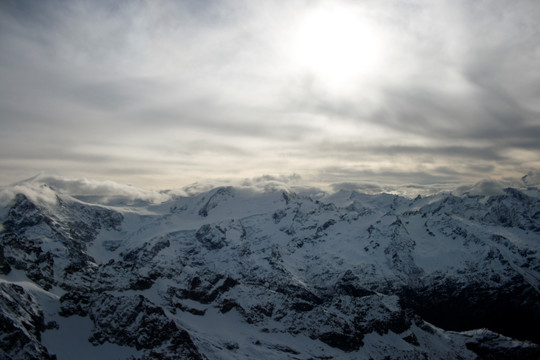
427,152
387,176
360,187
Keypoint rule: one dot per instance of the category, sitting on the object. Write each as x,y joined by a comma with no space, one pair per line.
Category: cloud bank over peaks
260,184
43,188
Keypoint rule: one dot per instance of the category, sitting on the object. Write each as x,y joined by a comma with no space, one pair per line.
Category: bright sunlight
338,46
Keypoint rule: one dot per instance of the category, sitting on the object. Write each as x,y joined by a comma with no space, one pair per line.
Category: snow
19,278
70,342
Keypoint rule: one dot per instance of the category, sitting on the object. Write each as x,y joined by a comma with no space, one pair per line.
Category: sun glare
337,45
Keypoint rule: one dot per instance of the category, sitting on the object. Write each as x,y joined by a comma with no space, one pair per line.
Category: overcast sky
161,94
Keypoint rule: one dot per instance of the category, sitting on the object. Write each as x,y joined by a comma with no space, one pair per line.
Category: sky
162,94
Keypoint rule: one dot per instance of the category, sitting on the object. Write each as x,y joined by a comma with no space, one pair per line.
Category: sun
337,45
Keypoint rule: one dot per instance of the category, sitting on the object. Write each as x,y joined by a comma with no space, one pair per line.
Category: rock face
21,324
231,274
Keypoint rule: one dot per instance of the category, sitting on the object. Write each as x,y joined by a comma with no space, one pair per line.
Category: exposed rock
211,237
21,325
135,321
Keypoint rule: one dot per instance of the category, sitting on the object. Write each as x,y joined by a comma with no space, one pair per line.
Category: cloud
463,101
168,93
273,183
406,190
260,184
43,188
433,151
360,187
532,179
37,193
484,187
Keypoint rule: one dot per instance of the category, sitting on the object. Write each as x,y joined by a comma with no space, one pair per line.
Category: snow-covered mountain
236,274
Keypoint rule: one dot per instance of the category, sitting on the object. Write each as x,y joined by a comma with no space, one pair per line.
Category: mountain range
233,273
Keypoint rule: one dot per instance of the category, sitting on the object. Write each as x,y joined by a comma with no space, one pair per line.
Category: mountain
237,274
